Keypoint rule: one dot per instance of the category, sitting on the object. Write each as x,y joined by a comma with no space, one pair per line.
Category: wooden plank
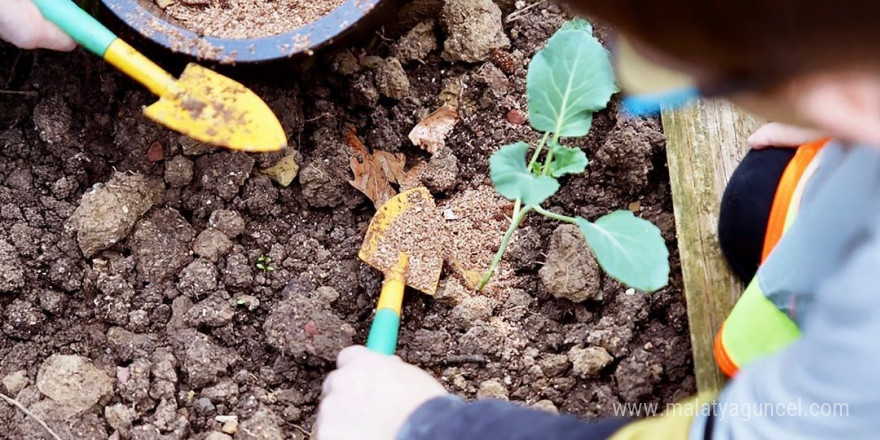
705,142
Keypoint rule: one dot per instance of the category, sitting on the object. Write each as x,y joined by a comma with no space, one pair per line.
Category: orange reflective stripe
785,192
725,363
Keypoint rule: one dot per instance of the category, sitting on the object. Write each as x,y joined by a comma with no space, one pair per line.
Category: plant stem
538,150
549,158
518,217
555,216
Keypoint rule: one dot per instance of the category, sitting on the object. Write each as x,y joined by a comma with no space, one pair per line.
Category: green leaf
577,24
628,248
568,80
567,160
512,179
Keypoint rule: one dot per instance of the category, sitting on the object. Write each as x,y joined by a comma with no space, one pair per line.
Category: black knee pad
745,208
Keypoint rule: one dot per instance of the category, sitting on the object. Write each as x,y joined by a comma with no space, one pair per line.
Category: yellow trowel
201,104
407,241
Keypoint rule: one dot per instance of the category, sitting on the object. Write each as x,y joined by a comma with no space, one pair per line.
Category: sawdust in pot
246,18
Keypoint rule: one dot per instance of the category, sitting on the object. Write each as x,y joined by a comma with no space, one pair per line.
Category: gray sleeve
827,384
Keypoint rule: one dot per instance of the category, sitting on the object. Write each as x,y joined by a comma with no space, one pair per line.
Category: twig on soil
19,92
13,69
465,359
18,405
300,429
515,15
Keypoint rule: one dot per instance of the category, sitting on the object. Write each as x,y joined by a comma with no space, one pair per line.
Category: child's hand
775,134
22,24
370,396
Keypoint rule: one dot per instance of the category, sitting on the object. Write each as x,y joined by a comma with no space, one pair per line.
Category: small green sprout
264,264
569,80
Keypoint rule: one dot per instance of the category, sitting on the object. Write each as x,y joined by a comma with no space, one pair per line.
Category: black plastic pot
147,21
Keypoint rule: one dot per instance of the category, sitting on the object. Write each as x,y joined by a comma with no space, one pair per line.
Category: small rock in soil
473,29
259,195
344,62
238,272
441,172
223,173
134,385
160,245
178,171
516,117
156,152
225,391
571,271
325,175
363,91
211,244
417,43
214,435
627,153
554,365
227,221
213,311
612,336
52,117
546,405
164,372
52,301
203,360
23,319
305,326
73,382
492,389
127,345
107,213
198,278
120,418
472,309
263,425
15,382
391,79
589,362
525,250
637,375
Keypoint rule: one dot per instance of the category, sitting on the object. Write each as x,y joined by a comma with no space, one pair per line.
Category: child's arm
377,397
22,24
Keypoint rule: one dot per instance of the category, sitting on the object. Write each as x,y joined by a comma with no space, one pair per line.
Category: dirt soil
246,18
131,301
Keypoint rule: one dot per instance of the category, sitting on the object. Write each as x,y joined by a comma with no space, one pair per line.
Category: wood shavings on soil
421,233
241,19
477,221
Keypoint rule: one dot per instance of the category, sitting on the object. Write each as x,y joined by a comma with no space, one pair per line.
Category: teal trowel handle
386,324
82,27
383,333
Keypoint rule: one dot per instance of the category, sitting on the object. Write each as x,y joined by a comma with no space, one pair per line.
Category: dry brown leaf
374,173
430,134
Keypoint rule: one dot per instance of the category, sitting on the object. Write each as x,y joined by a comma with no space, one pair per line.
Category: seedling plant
264,263
569,80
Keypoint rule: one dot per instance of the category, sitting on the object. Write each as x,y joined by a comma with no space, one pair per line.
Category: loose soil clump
241,19
147,275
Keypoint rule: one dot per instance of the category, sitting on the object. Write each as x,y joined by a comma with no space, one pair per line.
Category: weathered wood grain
705,142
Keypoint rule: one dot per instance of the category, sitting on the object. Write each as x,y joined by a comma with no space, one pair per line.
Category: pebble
15,382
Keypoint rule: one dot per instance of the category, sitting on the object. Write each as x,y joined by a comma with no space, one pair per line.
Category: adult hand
775,134
22,24
370,396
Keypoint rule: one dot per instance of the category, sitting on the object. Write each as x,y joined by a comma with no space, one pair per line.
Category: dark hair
760,39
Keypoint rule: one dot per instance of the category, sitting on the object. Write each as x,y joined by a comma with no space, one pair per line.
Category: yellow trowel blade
213,109
410,223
